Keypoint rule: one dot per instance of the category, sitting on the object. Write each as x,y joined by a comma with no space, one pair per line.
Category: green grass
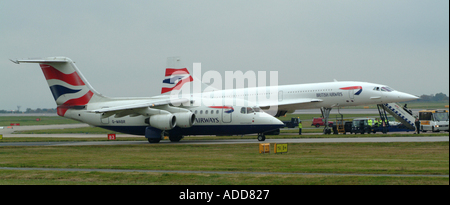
82,130
369,158
357,158
31,120
136,178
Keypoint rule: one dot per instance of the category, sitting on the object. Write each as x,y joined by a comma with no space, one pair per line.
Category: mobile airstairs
403,115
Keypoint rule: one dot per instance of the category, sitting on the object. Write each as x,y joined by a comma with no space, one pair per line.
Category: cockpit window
248,110
257,109
387,89
376,88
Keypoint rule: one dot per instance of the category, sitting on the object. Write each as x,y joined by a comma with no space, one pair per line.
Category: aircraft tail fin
176,76
69,87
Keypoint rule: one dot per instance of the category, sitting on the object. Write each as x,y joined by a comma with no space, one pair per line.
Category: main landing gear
175,138
326,114
261,137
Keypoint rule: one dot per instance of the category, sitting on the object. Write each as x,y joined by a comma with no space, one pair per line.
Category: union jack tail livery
68,86
175,79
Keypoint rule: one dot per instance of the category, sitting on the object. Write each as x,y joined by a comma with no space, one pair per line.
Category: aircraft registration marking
118,121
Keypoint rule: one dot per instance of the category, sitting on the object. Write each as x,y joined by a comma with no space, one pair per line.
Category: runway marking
215,172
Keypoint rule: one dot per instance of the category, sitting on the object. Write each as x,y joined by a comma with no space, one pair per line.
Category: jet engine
185,119
163,122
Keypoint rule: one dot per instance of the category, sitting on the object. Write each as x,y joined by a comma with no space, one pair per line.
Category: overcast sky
121,46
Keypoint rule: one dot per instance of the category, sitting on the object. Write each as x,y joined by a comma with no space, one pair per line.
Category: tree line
29,110
438,97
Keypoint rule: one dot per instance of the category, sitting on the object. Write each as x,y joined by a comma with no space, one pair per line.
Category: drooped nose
405,96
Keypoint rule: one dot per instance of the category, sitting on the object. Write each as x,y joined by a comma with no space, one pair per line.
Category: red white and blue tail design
175,79
68,86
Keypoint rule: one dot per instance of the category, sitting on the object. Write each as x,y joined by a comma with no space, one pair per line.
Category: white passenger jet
153,116
325,96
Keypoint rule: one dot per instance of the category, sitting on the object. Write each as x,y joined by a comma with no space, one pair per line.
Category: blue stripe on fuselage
201,129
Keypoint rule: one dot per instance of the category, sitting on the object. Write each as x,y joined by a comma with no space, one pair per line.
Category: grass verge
361,158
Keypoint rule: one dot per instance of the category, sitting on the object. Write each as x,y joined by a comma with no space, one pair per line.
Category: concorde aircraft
289,98
152,116
325,96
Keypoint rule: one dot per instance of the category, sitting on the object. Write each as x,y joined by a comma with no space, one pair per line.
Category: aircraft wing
136,109
291,104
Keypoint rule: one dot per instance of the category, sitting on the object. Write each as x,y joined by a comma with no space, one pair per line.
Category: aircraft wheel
175,138
261,137
150,140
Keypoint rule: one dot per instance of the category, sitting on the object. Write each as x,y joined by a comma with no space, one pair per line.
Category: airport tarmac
7,132
238,141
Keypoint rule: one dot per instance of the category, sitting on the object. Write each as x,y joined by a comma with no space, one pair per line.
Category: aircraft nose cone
277,122
406,96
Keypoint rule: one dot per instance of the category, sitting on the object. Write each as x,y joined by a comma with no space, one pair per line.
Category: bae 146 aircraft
153,116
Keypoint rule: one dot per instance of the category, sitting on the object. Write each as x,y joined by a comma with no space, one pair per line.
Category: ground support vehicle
319,121
434,120
293,123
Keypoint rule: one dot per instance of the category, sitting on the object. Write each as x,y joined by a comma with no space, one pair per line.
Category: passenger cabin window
206,112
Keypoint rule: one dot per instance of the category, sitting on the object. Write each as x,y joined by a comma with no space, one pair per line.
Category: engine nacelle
163,122
185,119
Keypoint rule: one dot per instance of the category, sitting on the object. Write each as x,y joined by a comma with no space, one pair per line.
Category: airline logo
175,79
359,88
68,90
228,108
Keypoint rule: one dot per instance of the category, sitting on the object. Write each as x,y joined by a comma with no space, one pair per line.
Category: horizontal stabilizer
46,60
